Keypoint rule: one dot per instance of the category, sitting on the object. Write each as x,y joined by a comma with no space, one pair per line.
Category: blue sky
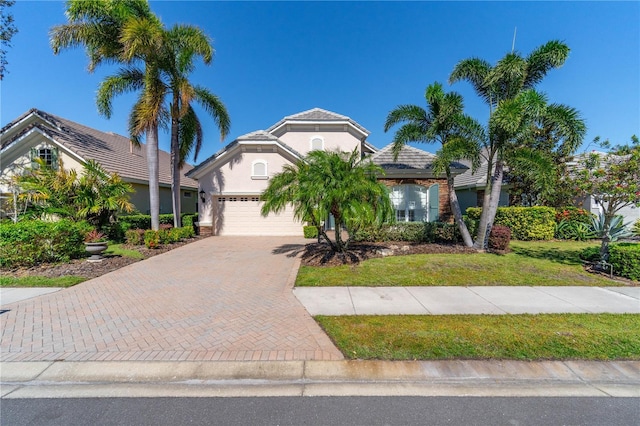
359,59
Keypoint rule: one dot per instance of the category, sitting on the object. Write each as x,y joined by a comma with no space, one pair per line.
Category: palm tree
122,31
508,89
443,122
183,45
336,183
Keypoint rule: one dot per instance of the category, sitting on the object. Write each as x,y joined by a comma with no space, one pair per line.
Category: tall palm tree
122,31
336,183
182,46
460,137
508,89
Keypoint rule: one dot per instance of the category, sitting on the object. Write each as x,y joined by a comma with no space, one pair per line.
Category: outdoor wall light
202,194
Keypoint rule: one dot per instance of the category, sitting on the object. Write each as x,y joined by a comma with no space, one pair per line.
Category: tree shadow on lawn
566,257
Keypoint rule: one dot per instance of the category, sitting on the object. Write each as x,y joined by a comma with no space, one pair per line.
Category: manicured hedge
625,258
143,221
417,232
499,237
526,223
28,243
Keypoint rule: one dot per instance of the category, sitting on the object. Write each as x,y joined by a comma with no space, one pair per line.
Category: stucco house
38,134
231,181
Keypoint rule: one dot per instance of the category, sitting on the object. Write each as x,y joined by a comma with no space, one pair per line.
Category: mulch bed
82,268
320,254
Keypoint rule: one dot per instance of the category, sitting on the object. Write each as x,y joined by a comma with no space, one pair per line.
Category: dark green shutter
54,158
434,203
33,154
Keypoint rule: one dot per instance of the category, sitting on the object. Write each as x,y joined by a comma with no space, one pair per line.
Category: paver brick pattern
220,298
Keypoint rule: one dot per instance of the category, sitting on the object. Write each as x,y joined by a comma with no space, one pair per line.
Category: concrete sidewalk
11,295
467,300
319,378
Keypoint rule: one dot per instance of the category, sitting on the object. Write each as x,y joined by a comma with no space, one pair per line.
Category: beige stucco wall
18,161
140,199
301,140
234,176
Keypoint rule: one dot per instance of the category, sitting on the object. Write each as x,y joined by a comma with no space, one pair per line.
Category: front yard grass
36,281
538,263
518,337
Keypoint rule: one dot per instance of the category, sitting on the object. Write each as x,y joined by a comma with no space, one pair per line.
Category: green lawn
539,263
66,281
35,281
520,337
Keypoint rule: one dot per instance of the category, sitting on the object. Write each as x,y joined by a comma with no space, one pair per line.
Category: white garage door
240,215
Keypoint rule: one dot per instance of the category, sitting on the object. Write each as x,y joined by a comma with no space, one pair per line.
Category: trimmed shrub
590,254
573,215
151,239
526,223
625,258
28,243
499,237
188,219
310,231
417,232
135,237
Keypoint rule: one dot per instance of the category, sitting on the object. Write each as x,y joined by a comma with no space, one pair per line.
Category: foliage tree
612,180
7,31
125,32
516,110
94,195
442,122
336,183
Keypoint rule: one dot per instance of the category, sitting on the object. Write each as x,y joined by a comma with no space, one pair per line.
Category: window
317,143
187,194
415,203
259,169
47,154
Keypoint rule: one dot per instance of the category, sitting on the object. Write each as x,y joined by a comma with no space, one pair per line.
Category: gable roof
114,152
315,115
253,138
410,158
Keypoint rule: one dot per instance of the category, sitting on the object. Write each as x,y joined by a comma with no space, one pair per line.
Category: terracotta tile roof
114,152
409,158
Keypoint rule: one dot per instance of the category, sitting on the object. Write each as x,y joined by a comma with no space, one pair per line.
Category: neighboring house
629,213
37,134
231,181
470,187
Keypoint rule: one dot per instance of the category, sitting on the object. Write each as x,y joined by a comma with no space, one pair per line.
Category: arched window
317,143
415,203
259,169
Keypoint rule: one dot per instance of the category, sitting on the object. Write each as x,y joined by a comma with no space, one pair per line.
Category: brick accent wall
444,207
206,231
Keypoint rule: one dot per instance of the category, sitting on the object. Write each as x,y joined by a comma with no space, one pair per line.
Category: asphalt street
370,411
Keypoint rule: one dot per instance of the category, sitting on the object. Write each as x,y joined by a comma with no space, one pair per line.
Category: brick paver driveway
220,298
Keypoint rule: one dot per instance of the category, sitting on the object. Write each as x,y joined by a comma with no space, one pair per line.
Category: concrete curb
319,378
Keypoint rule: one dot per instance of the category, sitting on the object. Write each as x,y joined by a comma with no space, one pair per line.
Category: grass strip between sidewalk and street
538,263
36,281
517,337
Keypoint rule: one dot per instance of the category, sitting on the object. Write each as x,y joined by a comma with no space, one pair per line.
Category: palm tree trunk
491,207
154,185
457,214
175,162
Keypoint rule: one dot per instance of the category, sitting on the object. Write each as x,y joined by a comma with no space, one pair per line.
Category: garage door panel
241,216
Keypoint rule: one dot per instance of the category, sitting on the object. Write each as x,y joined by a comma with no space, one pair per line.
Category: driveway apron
220,298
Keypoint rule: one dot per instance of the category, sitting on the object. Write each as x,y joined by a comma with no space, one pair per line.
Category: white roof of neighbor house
114,152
